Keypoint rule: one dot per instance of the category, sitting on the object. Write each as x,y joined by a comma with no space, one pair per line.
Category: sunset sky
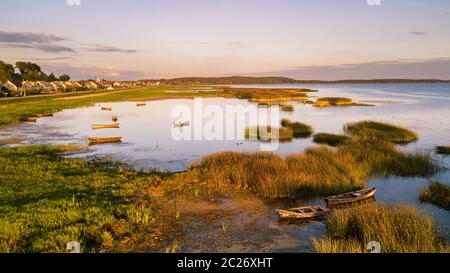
302,39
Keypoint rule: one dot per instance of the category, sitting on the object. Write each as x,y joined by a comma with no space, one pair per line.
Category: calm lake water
148,143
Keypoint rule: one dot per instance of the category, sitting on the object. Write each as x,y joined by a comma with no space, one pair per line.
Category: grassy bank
381,131
398,230
328,102
268,133
264,95
443,150
331,139
300,130
320,171
436,193
48,201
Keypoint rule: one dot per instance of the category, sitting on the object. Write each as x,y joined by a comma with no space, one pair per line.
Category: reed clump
300,130
268,133
264,95
331,139
436,193
381,131
443,150
320,171
397,229
337,101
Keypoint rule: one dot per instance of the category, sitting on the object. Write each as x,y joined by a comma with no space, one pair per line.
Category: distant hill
281,80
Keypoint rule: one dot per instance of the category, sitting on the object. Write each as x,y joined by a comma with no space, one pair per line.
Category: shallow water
148,142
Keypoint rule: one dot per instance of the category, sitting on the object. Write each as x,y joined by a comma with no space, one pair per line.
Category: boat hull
350,198
101,140
304,213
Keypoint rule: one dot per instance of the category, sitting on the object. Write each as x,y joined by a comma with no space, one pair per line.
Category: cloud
111,49
42,47
419,33
436,68
29,37
90,72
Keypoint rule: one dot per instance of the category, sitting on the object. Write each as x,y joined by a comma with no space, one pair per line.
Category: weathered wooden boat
105,126
181,124
304,213
141,104
115,118
31,119
106,108
100,140
44,115
351,197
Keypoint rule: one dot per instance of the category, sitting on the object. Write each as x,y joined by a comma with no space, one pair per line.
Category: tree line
26,71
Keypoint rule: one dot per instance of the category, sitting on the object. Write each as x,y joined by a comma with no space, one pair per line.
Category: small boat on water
115,118
32,119
106,108
304,213
181,124
351,197
141,104
105,126
100,140
44,115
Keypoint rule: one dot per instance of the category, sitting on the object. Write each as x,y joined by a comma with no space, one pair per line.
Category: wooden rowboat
115,118
304,213
351,197
31,119
106,108
105,126
141,104
181,124
44,115
100,140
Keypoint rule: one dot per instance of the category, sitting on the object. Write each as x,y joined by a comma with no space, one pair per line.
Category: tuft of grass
299,129
398,230
287,107
443,150
331,139
320,171
268,133
381,131
264,95
436,193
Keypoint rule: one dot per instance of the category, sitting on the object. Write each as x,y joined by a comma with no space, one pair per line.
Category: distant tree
7,72
31,71
52,77
64,78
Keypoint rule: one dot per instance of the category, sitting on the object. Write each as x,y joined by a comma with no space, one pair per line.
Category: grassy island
381,131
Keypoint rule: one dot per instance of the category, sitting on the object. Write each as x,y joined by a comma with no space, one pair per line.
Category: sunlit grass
436,193
268,133
337,101
299,129
381,131
398,230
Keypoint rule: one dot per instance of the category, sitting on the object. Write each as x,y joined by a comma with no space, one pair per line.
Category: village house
47,87
9,85
91,85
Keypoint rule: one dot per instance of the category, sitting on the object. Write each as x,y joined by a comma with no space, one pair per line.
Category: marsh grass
443,150
268,133
337,101
48,201
398,230
320,171
264,95
331,139
300,130
436,193
381,131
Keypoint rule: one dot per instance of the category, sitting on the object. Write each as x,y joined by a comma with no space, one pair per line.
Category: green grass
47,201
381,131
331,139
268,133
299,129
444,150
264,95
398,230
320,171
436,193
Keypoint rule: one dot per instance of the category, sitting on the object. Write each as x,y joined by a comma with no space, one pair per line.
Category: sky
302,39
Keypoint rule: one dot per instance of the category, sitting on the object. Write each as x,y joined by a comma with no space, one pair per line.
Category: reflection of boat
181,124
304,212
141,104
106,108
31,119
115,118
105,126
351,197
99,140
